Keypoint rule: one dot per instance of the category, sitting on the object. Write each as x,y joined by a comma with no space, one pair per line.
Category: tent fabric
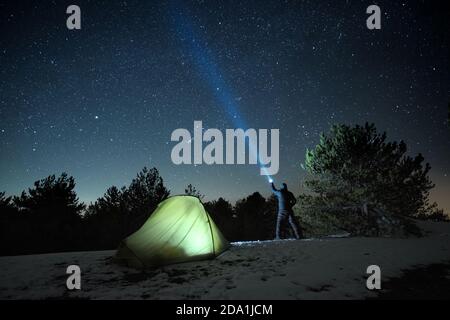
179,230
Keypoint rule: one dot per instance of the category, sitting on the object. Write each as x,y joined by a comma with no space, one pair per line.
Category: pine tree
52,212
355,168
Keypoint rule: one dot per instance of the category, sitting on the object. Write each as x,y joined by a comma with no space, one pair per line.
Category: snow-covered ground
327,268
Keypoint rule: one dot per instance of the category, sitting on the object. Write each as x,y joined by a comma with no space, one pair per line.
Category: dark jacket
286,199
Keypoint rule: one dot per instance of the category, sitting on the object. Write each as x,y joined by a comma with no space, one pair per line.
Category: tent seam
210,231
134,254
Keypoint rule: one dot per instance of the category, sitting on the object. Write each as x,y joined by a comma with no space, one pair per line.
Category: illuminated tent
179,230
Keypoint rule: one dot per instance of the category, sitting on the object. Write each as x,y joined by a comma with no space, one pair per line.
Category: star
118,93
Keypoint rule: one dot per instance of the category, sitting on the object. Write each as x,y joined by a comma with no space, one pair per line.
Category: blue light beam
201,55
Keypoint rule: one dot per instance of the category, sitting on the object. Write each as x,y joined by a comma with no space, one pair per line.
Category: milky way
100,103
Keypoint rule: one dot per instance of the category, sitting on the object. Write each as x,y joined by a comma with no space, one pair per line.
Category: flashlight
270,180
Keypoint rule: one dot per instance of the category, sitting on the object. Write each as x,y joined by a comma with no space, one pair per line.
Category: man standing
286,200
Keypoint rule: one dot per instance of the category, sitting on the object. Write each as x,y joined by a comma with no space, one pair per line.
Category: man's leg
282,219
295,227
277,230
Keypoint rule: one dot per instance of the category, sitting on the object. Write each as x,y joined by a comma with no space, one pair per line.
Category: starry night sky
101,103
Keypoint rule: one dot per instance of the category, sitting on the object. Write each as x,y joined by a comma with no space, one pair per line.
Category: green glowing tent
179,230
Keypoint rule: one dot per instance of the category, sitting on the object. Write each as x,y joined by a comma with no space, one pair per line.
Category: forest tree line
49,217
355,181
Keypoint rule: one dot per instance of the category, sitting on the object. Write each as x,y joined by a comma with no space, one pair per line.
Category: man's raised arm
273,188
